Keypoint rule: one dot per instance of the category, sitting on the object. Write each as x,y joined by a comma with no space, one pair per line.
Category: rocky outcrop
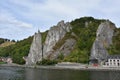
55,34
56,42
35,53
103,41
65,49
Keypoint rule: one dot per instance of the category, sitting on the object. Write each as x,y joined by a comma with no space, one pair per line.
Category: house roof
113,57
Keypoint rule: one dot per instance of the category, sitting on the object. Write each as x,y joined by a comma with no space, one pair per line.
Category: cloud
55,8
12,28
42,14
7,19
48,12
107,9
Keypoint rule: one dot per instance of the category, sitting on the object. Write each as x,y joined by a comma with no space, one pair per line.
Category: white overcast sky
21,18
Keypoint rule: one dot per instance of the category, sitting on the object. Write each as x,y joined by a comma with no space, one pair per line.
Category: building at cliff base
112,61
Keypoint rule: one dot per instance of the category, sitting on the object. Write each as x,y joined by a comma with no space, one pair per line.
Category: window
110,60
107,64
117,60
114,60
118,64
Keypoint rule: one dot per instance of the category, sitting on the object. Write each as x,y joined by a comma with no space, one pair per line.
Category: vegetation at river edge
47,62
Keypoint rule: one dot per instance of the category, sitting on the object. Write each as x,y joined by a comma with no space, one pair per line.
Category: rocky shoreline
88,68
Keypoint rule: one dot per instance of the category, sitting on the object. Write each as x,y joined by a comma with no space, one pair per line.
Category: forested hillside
17,51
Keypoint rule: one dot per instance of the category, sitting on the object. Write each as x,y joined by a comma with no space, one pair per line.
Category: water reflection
10,73
105,75
35,74
14,73
42,74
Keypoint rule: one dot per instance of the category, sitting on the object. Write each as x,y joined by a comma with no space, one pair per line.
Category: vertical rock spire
103,40
35,52
37,49
55,34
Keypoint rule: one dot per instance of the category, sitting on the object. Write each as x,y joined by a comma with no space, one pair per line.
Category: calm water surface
14,73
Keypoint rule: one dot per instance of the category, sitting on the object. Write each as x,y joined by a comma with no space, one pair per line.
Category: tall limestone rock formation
35,52
61,40
103,41
55,34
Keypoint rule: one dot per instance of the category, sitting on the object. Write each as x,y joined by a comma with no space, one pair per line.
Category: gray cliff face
65,49
55,34
35,52
103,40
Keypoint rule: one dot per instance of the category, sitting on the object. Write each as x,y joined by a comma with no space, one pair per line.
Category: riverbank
70,67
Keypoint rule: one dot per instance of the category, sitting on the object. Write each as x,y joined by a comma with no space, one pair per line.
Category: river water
15,73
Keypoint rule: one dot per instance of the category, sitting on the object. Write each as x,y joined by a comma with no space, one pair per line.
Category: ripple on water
10,73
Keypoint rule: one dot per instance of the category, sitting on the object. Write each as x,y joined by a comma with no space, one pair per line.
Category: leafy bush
60,57
47,62
3,62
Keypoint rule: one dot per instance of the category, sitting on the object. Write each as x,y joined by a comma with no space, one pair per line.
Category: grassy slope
5,44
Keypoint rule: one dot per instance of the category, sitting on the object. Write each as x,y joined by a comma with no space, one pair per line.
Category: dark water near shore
14,73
